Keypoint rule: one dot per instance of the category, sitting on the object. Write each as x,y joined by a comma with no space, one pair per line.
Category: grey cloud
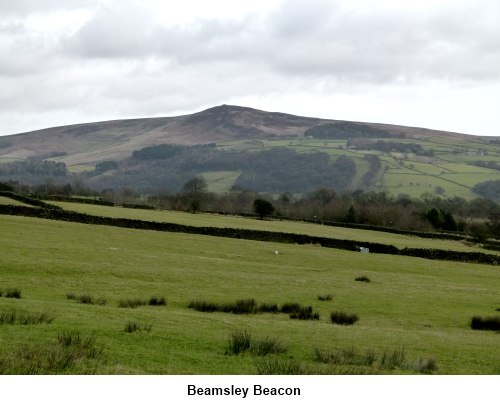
19,8
388,46
123,62
296,18
25,53
299,39
114,33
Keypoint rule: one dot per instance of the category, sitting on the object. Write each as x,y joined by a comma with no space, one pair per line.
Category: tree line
479,217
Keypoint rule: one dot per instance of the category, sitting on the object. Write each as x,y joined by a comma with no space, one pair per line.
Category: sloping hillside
256,150
115,140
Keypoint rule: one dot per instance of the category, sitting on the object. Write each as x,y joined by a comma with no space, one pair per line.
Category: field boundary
250,234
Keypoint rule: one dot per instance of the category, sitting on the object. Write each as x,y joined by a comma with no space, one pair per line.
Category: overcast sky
428,63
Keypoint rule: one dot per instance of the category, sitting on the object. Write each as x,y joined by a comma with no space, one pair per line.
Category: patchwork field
414,314
451,167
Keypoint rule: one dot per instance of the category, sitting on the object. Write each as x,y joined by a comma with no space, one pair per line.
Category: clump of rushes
85,299
11,293
250,306
14,317
204,306
343,318
132,327
485,323
343,356
363,279
247,306
271,308
241,342
131,303
297,311
268,345
279,366
387,360
396,359
69,353
101,301
426,366
304,313
325,297
157,301
290,307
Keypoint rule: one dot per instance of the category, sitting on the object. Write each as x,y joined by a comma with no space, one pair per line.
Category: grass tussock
157,301
85,299
131,303
70,353
268,345
274,365
426,366
485,323
343,318
134,303
250,306
393,360
242,342
15,317
363,279
204,306
280,366
325,297
11,293
297,311
345,356
131,327
239,341
373,362
269,308
304,314
290,307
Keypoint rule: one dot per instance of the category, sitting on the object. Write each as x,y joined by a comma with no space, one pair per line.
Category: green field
420,307
220,182
80,168
10,201
222,221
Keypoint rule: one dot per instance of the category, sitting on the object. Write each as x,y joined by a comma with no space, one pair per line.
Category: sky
425,63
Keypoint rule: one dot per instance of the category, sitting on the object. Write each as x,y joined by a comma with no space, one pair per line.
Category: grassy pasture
451,167
10,201
81,168
312,229
421,306
417,184
221,181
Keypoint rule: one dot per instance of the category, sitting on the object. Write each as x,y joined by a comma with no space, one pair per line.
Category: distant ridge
90,143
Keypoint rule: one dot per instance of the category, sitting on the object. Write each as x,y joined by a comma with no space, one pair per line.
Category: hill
296,154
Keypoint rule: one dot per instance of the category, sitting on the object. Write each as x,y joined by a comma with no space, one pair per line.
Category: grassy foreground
414,309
